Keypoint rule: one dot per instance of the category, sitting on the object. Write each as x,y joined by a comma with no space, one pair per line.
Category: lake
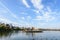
19,35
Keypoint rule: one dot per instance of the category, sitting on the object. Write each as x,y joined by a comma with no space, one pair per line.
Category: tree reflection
32,35
7,33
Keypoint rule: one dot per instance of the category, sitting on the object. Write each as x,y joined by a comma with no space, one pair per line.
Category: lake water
19,35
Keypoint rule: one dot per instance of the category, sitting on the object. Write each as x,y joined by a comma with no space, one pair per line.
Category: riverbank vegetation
8,27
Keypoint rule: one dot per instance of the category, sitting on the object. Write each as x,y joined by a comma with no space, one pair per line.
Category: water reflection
8,33
44,36
31,35
18,35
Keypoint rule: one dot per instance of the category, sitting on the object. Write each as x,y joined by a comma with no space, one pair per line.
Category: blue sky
36,13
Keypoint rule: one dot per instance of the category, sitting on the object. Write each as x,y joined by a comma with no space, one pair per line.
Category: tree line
8,27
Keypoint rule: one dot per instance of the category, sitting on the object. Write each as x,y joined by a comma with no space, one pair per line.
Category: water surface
19,35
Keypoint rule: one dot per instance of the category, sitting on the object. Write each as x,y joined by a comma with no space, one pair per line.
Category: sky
31,13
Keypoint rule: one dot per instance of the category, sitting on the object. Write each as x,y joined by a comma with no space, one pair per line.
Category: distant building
33,28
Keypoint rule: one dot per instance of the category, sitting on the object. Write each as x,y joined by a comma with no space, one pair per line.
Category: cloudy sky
37,13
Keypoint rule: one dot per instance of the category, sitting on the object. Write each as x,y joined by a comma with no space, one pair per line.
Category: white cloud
37,11
24,13
3,11
37,4
14,15
49,9
46,14
39,8
25,3
28,17
38,18
9,14
6,10
5,20
23,18
5,14
46,17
